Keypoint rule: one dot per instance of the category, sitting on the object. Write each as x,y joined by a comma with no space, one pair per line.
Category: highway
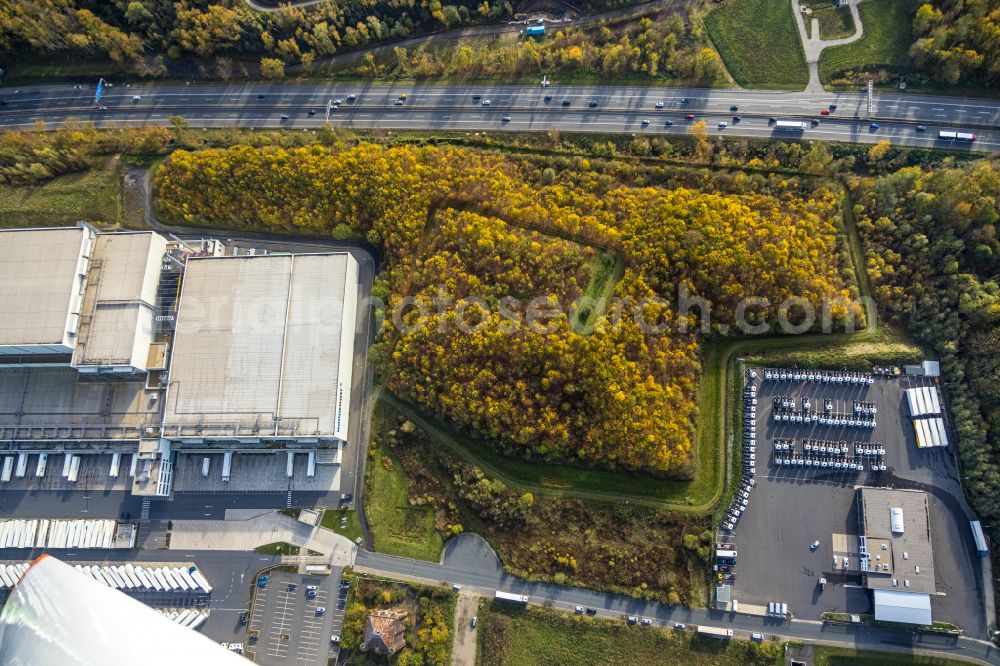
607,109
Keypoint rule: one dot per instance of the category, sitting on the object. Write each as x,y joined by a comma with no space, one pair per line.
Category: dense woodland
461,224
958,41
934,260
143,32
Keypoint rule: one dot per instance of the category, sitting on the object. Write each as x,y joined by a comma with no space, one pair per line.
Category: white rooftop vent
896,520
885,547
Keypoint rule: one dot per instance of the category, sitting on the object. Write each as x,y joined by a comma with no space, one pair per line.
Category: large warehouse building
127,344
897,560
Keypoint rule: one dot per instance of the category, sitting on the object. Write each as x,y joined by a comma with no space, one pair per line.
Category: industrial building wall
347,334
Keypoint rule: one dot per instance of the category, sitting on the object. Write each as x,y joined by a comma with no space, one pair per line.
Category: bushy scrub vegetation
457,224
429,623
144,32
647,553
668,47
934,263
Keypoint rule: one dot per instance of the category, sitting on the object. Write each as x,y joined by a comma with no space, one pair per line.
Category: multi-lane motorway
912,120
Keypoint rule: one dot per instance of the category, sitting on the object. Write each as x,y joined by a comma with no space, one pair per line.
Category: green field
93,195
517,636
759,43
332,520
830,656
396,527
834,22
886,41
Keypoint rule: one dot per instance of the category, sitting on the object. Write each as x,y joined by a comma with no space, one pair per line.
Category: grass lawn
832,656
759,43
886,41
94,195
605,271
398,528
834,22
511,635
885,346
351,528
277,548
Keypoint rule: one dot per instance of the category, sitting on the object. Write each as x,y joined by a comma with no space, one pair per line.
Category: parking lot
792,506
288,623
250,472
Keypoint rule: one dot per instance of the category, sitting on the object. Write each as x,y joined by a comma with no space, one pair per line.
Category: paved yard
791,507
253,472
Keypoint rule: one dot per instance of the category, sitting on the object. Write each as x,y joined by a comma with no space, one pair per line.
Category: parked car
591,611
757,637
680,626
335,639
243,617
320,610
646,622
579,610
475,621
632,619
456,587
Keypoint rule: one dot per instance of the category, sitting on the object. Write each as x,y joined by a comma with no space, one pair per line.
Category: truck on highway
715,632
790,126
507,596
945,135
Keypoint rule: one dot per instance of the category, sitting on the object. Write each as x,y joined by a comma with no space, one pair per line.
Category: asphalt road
470,562
618,109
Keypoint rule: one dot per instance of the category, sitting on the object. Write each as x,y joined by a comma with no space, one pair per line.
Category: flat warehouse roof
259,346
906,607
39,273
908,554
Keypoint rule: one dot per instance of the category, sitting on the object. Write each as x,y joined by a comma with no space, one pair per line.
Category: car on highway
644,123
772,119
734,108
312,112
260,97
684,100
873,126
547,98
136,98
402,96
669,123
689,116
921,128
477,97
565,102
824,112
486,102
506,119
592,104
399,102
659,105
351,97
833,107
814,122
737,119
723,124
284,117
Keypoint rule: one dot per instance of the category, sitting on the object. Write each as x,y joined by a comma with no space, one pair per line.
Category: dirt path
463,651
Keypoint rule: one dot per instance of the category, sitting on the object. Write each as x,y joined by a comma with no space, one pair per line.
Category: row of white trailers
923,401
16,466
159,579
185,617
55,534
